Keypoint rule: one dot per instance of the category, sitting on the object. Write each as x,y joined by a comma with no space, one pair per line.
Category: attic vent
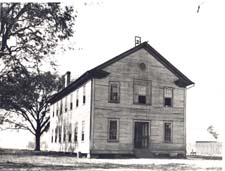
142,66
137,40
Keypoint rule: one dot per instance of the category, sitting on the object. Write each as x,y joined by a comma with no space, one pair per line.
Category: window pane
168,131
75,132
82,133
168,102
114,92
113,130
168,92
142,90
142,99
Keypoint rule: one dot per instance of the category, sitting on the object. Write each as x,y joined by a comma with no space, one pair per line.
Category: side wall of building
71,122
125,71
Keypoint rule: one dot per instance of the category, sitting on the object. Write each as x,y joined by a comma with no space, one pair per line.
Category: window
57,109
113,129
53,110
75,132
70,133
82,131
168,132
52,138
114,92
168,97
66,104
61,107
84,95
77,99
71,102
56,134
64,133
60,133
142,92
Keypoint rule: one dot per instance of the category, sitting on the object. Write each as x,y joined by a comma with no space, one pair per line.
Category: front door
141,134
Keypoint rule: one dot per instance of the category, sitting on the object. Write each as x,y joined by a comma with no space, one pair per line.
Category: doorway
141,134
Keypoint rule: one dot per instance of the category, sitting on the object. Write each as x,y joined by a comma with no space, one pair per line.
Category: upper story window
168,97
61,107
168,132
113,131
52,137
71,101
82,130
66,104
57,108
142,92
114,91
77,99
53,110
84,94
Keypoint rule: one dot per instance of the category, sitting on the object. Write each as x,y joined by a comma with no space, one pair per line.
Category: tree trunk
37,141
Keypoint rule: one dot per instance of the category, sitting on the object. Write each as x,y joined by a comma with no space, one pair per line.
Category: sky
192,41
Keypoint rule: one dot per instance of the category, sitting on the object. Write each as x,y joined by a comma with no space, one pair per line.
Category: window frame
71,101
56,133
164,96
69,132
52,137
82,131
117,130
77,98
60,133
65,101
171,134
84,95
61,107
76,133
53,110
64,134
110,100
148,96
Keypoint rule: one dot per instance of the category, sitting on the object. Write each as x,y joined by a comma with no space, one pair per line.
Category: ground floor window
75,132
168,132
113,130
82,131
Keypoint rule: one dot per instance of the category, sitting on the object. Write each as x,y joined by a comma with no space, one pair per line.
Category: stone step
143,153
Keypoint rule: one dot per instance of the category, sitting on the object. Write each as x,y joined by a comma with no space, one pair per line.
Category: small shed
208,148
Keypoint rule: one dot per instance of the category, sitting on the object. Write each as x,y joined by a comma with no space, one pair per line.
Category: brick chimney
67,78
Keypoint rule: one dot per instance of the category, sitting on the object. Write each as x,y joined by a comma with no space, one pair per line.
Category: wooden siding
125,71
77,114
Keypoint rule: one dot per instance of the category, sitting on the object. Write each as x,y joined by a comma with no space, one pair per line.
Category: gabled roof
97,72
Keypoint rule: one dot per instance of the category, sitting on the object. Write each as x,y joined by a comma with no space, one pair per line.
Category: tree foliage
24,95
29,35
213,132
31,31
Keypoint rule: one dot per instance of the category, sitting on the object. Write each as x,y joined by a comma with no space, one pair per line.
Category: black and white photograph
120,85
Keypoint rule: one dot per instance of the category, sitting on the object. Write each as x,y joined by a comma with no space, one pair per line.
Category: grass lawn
17,160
